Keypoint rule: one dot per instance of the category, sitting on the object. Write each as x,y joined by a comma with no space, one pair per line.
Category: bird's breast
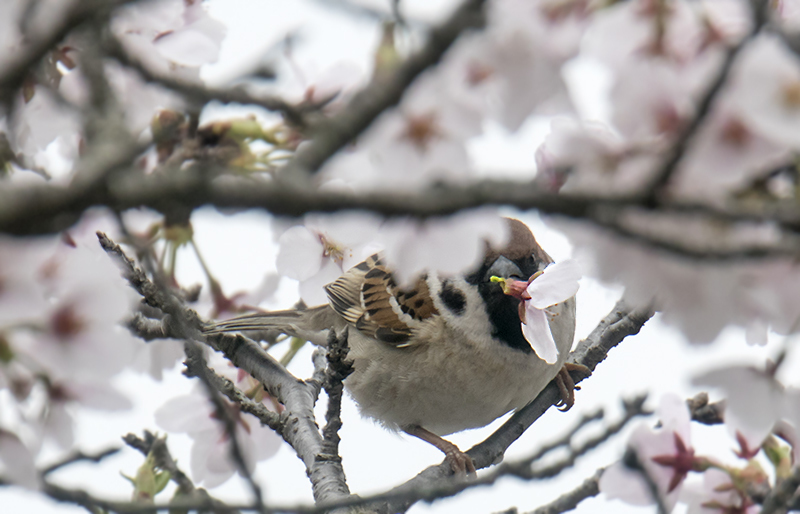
450,380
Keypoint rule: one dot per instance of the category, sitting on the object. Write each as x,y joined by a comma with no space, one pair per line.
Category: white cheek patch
473,321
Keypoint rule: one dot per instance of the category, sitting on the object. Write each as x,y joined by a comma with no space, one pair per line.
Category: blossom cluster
660,460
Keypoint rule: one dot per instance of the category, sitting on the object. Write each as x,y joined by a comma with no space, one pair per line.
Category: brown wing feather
368,298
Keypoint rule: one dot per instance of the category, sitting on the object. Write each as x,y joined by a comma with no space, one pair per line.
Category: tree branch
202,94
300,429
78,456
568,501
338,369
48,208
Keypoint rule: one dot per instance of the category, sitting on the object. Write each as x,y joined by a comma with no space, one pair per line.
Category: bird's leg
567,386
459,461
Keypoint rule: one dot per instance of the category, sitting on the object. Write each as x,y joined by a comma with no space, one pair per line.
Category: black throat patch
503,313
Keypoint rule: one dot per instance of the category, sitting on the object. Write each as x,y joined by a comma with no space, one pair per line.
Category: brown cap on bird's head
520,245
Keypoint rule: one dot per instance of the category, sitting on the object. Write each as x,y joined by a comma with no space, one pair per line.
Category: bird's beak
504,268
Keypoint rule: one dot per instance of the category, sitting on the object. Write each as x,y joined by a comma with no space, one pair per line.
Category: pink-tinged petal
17,461
187,47
536,330
188,413
300,253
210,460
312,290
620,482
754,400
674,415
559,282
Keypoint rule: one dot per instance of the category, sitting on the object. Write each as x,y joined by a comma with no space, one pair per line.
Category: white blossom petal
536,330
18,461
300,253
755,400
558,283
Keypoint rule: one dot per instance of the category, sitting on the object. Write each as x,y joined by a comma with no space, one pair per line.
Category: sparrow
444,356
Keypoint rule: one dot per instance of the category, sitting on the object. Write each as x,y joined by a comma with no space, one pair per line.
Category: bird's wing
368,298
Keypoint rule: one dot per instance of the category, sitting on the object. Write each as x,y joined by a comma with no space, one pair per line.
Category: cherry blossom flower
650,98
755,402
335,84
590,158
766,90
448,245
169,36
717,495
628,31
556,284
318,252
725,142
211,462
22,296
56,422
80,334
513,69
422,141
665,453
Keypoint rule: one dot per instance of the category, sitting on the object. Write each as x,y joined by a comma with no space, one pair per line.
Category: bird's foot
460,462
567,386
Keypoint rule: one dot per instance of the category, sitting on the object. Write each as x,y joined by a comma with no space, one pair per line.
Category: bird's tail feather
309,324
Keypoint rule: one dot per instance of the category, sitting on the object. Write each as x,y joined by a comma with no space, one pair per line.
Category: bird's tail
309,324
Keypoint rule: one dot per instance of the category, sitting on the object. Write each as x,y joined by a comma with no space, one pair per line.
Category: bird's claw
460,462
566,385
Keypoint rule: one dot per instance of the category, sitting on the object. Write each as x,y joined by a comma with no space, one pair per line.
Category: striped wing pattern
370,300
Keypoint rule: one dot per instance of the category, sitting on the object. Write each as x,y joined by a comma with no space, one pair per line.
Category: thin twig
79,456
681,144
194,354
157,446
568,501
203,94
234,394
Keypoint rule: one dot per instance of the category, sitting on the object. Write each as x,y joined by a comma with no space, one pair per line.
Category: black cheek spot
453,299
419,303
